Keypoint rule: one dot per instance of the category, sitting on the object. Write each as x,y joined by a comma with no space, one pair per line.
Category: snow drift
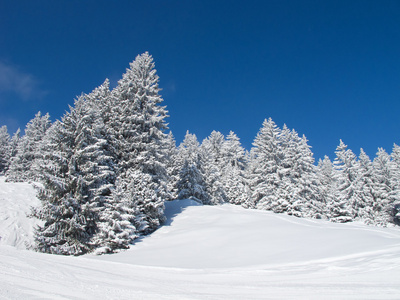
214,252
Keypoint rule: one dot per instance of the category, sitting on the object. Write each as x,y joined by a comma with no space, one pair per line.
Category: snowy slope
16,200
230,236
204,252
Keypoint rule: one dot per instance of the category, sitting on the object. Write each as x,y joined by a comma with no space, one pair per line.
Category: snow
16,200
205,252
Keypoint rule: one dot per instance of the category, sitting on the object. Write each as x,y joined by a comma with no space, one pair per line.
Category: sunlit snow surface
206,252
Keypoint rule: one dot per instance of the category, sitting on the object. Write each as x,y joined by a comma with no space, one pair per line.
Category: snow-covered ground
206,252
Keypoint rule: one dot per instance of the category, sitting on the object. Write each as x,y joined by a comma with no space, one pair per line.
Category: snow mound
16,200
228,236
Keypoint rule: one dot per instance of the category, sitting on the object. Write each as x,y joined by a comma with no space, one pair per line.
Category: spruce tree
14,142
344,206
263,169
213,165
63,230
233,170
191,181
4,149
327,183
22,165
172,166
301,174
78,177
366,186
137,129
395,211
386,191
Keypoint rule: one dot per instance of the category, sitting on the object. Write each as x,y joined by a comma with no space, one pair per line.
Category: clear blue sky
329,69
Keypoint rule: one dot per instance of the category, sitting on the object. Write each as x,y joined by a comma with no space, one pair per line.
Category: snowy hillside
206,252
16,200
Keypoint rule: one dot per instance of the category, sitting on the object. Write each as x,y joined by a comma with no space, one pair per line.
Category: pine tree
233,171
395,211
15,140
301,175
191,181
386,191
4,149
172,166
344,207
62,231
213,164
21,167
137,126
327,181
78,178
233,153
114,214
367,184
264,169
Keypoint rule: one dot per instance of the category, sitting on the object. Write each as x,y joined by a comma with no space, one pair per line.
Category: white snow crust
205,252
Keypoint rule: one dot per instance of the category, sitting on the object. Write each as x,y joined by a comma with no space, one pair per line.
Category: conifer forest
106,168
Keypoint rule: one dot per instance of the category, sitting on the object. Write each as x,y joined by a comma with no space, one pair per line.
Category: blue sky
328,69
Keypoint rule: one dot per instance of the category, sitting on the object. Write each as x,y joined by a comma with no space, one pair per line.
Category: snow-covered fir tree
395,211
172,166
233,170
386,189
366,189
191,181
233,153
346,202
115,227
137,127
395,159
63,230
78,176
281,173
213,165
4,149
327,183
263,169
14,142
21,166
300,174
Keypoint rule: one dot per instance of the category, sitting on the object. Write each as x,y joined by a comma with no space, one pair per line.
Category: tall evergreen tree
386,191
21,167
14,142
232,152
233,171
263,172
366,187
301,175
137,127
213,165
172,166
347,199
4,149
326,179
78,178
191,181
115,228
62,231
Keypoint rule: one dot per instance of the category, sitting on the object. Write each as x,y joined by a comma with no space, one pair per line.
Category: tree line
108,165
